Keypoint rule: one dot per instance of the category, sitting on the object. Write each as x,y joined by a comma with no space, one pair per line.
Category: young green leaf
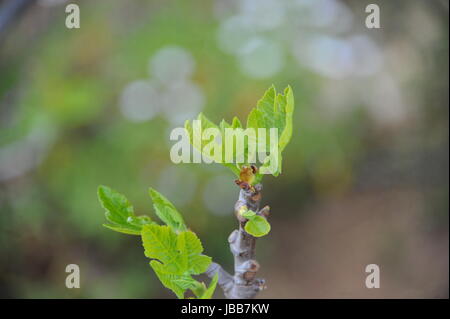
119,212
274,111
177,283
191,248
200,144
178,256
212,287
248,214
286,102
257,226
166,211
236,123
160,242
180,253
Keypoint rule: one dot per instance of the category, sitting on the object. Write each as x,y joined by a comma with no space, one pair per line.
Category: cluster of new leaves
272,111
176,252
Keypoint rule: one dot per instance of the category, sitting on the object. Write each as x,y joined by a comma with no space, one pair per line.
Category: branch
243,285
225,280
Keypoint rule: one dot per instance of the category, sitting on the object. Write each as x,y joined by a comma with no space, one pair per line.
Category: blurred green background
365,177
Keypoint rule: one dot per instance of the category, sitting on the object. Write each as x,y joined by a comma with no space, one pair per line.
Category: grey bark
243,284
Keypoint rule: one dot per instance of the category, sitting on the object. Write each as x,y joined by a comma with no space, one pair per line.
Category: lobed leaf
176,251
119,212
178,256
191,248
166,211
274,111
177,283
160,242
